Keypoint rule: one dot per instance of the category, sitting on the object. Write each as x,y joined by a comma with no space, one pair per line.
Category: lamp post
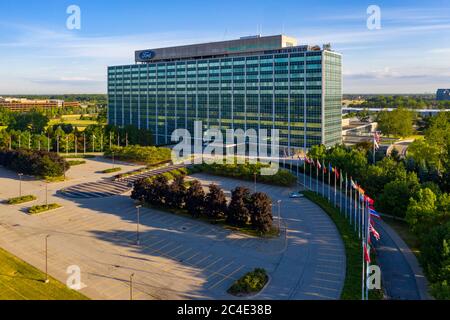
46,194
131,286
20,184
138,208
47,280
112,158
279,216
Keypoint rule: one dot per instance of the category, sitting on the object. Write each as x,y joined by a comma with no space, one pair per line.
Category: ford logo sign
147,55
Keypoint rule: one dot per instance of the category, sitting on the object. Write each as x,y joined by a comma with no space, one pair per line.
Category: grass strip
353,251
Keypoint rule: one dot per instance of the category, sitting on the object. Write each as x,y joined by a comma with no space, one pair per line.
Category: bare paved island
178,257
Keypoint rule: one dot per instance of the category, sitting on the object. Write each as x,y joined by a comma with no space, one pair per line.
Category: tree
260,208
215,202
157,191
393,199
435,259
195,199
397,122
33,121
421,211
140,189
177,193
238,213
364,115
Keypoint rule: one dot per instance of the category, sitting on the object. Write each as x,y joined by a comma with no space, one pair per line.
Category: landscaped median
112,170
22,199
43,208
353,251
250,284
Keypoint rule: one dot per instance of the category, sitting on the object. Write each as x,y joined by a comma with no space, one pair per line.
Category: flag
377,146
367,253
354,186
374,232
336,172
319,165
373,213
324,168
330,167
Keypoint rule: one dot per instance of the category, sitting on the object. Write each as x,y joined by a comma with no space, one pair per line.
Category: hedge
148,155
31,162
20,200
247,172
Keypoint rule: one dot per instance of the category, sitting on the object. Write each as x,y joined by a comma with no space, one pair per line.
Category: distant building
25,105
249,83
443,94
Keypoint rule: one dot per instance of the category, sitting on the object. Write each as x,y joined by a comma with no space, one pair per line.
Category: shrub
251,282
111,170
75,162
149,155
22,199
36,163
247,172
43,208
177,193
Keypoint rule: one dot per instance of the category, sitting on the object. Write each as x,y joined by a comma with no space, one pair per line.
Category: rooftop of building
242,46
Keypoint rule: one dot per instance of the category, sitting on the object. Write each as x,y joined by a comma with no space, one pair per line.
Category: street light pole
113,159
131,286
47,280
20,184
138,223
46,194
279,217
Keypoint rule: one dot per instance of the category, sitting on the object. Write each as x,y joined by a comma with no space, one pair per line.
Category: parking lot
178,257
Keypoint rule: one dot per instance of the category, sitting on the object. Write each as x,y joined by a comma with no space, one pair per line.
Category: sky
410,53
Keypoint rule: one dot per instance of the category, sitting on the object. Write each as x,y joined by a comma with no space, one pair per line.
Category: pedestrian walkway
109,188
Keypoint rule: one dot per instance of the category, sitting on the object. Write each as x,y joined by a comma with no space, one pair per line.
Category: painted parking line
229,276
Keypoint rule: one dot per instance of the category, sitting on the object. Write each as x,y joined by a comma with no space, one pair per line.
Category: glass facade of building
295,90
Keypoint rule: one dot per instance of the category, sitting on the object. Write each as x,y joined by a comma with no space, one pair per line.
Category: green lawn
21,281
405,233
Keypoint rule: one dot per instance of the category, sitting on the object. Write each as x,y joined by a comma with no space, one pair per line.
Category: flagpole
329,183
363,294
323,180
355,206
368,250
335,204
340,190
304,171
360,218
351,203
310,177
374,150
317,177
346,194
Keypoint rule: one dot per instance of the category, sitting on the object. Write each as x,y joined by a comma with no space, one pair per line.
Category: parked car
295,195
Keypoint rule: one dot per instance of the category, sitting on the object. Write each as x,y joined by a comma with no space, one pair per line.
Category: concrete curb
421,280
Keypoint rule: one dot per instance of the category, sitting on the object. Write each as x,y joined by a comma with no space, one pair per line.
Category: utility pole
138,208
20,184
47,280
131,286
279,217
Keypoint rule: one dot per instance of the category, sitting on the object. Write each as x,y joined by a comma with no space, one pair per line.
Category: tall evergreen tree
195,199
215,202
238,213
260,208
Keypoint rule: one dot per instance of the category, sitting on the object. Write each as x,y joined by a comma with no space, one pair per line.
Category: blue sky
39,55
